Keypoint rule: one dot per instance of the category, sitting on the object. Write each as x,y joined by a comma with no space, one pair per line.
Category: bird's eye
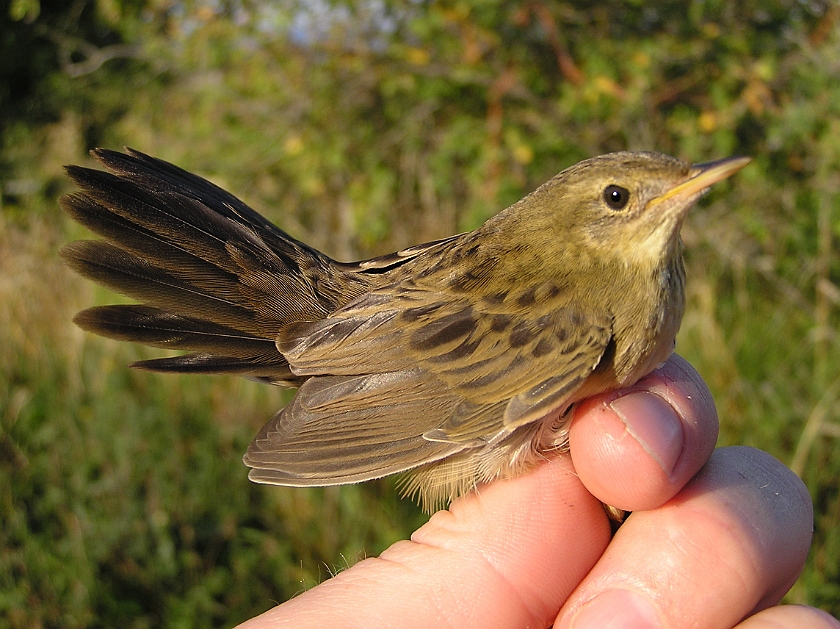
616,197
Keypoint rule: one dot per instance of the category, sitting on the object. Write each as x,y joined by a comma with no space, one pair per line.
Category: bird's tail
211,275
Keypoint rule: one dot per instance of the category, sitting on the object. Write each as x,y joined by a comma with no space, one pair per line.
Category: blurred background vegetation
362,127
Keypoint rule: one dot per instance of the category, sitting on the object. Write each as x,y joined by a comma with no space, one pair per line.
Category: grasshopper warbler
454,360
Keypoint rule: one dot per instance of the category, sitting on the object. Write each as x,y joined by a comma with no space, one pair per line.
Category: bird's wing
343,429
403,377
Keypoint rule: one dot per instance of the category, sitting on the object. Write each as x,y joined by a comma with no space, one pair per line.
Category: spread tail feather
213,276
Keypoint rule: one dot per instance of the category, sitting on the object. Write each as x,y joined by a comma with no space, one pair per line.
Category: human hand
715,547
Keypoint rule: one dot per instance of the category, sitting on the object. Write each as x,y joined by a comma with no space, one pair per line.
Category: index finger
507,555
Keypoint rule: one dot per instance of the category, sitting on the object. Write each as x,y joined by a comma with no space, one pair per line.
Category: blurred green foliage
362,127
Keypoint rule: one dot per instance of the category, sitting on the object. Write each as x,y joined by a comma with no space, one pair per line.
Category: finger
636,448
790,617
731,543
498,558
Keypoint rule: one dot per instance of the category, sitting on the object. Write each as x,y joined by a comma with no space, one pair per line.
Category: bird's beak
701,176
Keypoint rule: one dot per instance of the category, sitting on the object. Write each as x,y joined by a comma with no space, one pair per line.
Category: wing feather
401,378
350,429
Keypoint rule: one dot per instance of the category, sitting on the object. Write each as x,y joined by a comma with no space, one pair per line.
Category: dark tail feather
159,177
221,365
157,328
135,277
214,277
222,349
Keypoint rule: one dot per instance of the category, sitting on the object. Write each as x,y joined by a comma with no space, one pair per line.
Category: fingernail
615,609
654,424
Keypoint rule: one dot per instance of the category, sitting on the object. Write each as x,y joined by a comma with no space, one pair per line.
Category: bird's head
628,205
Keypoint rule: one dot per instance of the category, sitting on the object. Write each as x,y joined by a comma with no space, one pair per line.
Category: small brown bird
455,360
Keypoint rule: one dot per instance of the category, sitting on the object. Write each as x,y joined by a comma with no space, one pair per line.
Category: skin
715,538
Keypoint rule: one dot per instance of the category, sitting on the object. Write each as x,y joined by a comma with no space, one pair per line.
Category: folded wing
401,378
